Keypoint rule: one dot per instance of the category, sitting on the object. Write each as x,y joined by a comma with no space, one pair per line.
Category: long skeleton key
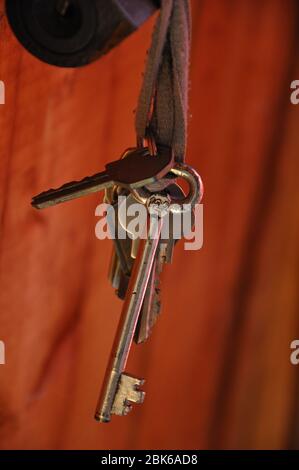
136,168
120,389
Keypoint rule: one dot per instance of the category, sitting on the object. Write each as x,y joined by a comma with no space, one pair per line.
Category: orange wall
217,367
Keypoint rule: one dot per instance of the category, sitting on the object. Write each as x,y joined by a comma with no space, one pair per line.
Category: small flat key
114,274
122,246
136,168
121,262
122,289
120,390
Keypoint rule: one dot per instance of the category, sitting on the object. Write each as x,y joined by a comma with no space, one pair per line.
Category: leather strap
163,101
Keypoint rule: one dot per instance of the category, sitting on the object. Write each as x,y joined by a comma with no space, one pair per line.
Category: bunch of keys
149,178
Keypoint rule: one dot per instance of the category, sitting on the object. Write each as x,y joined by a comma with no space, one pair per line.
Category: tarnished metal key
121,390
121,260
122,245
152,300
114,272
135,169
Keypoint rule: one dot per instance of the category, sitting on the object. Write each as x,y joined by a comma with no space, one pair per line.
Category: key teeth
128,393
127,408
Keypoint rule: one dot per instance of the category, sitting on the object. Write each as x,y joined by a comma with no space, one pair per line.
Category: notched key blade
69,191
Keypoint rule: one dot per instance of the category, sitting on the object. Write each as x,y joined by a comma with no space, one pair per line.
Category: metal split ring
186,172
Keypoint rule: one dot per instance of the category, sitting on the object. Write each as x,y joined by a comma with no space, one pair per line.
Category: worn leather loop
163,102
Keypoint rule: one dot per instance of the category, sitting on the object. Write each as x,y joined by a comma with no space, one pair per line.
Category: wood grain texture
217,366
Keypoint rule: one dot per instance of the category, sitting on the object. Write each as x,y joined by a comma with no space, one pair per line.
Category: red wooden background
217,367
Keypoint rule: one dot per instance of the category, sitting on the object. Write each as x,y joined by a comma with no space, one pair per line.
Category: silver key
152,302
119,278
141,196
151,307
122,245
114,274
121,390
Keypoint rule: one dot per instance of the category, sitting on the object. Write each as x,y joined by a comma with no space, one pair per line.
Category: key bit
136,168
128,392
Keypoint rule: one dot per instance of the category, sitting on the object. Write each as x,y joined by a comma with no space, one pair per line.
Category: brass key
135,169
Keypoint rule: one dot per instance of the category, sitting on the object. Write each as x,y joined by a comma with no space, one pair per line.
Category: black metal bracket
73,33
